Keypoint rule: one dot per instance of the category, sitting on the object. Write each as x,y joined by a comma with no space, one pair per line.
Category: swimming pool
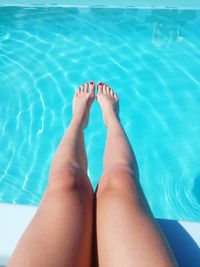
149,56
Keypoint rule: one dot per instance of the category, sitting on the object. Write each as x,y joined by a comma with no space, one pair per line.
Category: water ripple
149,56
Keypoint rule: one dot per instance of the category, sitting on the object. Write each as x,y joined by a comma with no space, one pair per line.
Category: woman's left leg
60,234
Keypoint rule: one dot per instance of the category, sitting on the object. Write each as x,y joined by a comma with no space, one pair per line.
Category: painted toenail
100,84
91,82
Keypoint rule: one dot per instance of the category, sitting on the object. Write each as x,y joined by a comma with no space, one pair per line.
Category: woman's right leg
127,234
60,234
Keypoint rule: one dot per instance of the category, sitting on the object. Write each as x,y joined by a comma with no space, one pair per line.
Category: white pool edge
183,4
13,221
15,218
97,7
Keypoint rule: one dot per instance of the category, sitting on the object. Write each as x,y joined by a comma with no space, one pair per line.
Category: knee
70,180
119,180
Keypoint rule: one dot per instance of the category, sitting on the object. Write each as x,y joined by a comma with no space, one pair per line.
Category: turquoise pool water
150,57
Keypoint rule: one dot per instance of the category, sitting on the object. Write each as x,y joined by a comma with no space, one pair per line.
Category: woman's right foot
109,103
82,102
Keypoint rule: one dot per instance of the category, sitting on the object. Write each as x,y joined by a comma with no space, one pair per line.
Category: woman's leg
60,234
127,234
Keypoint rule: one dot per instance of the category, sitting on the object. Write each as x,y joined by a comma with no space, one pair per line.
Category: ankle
111,119
76,120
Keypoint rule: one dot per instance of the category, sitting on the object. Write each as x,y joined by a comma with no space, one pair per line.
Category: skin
61,233
127,234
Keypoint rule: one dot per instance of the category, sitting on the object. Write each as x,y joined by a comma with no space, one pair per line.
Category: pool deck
183,237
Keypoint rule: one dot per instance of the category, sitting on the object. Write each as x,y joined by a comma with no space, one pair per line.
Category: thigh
127,234
60,234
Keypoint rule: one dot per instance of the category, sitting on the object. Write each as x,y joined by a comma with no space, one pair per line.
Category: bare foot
82,102
109,103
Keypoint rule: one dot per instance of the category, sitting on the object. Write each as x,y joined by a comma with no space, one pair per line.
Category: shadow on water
185,249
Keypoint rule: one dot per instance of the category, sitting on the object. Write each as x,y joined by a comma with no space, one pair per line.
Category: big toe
92,89
100,87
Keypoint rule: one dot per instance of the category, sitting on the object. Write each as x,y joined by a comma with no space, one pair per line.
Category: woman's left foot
82,102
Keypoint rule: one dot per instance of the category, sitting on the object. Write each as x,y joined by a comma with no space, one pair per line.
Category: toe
92,87
79,90
100,87
82,88
115,97
104,88
107,89
87,87
76,93
111,93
